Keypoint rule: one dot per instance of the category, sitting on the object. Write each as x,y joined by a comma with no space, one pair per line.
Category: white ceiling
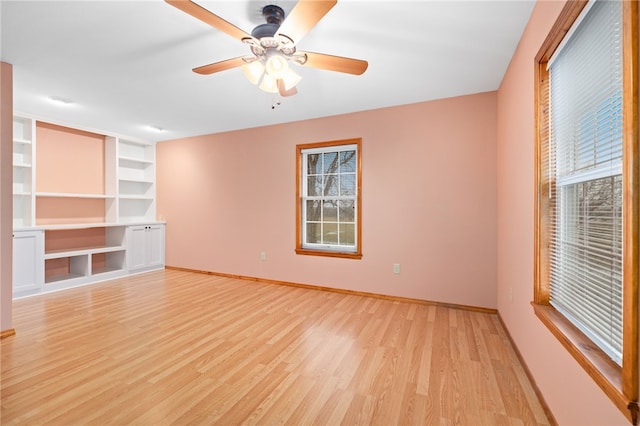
126,65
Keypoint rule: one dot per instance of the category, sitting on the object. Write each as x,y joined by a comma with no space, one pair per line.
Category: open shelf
69,195
139,151
61,278
134,162
108,262
69,210
136,209
135,180
22,207
55,254
136,197
65,268
63,226
136,189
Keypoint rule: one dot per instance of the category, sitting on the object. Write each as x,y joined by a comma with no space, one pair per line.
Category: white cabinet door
155,246
145,247
136,247
28,262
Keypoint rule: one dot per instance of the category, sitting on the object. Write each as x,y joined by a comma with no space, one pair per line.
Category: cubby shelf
62,226
135,160
136,180
56,254
136,197
63,278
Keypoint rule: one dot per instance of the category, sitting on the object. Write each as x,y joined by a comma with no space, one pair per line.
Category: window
586,257
328,199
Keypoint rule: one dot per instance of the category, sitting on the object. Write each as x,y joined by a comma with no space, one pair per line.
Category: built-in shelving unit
75,225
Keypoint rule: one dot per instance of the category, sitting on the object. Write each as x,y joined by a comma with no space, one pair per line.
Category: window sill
606,373
327,253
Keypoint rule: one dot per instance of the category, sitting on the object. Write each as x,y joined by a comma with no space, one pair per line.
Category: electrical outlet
263,256
396,268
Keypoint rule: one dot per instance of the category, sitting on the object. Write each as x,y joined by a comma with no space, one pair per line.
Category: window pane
586,93
347,162
587,259
313,210
313,233
330,233
347,184
347,234
347,211
314,186
330,162
312,164
330,210
331,183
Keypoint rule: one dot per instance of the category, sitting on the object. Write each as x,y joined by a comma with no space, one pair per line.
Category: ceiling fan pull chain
276,102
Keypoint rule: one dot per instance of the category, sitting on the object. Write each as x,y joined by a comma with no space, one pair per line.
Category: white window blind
585,168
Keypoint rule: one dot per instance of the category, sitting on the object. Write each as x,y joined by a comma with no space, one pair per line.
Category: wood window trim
620,384
329,253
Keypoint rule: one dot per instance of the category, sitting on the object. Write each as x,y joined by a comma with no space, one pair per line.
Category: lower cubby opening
102,263
65,268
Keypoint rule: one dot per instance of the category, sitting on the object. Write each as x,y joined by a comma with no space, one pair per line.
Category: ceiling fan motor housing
264,30
274,15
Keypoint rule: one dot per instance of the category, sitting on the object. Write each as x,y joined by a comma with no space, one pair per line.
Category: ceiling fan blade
199,12
220,66
304,16
284,92
335,63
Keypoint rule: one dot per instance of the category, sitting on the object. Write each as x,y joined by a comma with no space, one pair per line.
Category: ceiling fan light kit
269,84
273,45
253,71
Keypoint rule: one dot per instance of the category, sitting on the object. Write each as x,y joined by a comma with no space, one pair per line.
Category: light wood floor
173,347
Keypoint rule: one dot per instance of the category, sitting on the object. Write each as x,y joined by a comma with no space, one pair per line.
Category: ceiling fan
273,45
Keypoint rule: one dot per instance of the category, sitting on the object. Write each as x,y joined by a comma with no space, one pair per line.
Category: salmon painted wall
571,395
428,201
57,171
60,172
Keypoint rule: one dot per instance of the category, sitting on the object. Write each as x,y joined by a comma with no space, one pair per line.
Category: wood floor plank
175,347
